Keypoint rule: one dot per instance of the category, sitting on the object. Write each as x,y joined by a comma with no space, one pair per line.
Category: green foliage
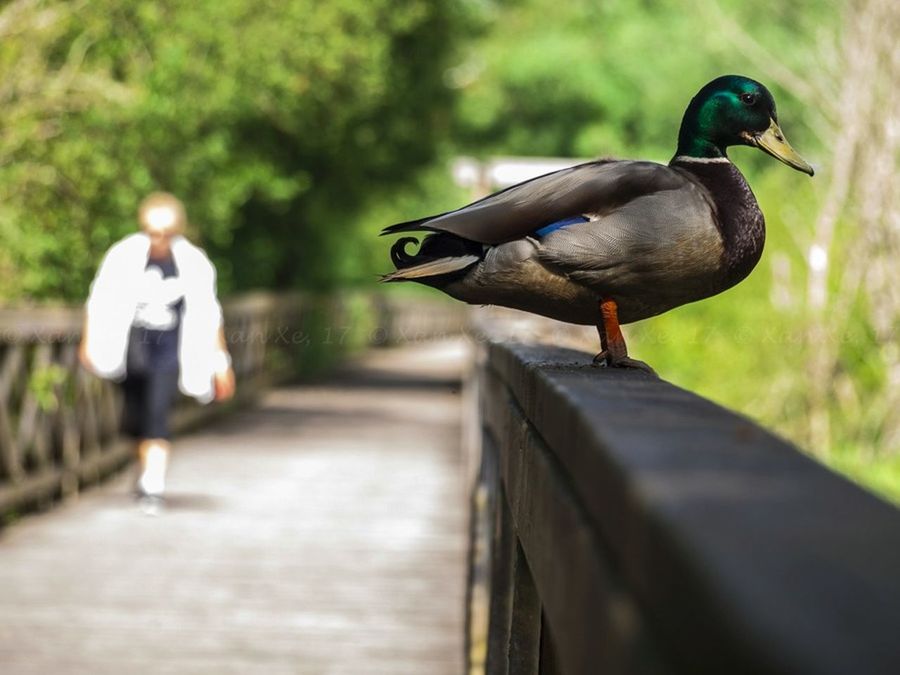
590,78
275,122
44,384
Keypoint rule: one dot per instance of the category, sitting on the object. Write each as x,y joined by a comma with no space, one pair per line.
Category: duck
612,241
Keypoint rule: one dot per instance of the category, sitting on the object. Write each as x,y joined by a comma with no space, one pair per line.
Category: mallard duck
611,241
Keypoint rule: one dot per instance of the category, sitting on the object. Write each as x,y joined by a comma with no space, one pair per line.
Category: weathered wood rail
628,526
59,424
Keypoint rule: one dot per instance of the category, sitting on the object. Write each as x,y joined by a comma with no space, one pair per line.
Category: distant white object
501,172
466,172
818,258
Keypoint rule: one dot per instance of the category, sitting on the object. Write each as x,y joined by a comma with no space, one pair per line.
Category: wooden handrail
59,425
633,527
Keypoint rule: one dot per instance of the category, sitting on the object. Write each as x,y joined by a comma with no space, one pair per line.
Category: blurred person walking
153,323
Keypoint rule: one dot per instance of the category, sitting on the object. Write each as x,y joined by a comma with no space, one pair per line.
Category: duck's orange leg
612,342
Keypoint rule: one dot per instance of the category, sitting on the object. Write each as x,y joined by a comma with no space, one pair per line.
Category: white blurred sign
501,172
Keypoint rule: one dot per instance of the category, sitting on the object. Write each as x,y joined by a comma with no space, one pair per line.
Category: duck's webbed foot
605,359
615,352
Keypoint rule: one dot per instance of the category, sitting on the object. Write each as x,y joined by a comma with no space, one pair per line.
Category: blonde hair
158,200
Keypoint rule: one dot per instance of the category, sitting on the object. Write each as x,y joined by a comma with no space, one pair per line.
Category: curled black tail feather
399,256
442,247
434,247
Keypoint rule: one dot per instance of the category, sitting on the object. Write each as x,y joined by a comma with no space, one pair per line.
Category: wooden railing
59,424
623,525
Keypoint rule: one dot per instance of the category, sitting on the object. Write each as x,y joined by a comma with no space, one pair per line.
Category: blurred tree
612,77
852,297
275,122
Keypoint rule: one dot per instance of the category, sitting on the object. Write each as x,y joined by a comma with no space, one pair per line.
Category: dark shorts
148,402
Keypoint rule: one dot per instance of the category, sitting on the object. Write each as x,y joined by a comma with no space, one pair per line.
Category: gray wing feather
649,243
593,188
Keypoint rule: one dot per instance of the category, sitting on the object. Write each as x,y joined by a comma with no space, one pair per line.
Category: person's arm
109,309
82,347
224,373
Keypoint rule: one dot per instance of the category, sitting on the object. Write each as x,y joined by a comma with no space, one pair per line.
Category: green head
735,110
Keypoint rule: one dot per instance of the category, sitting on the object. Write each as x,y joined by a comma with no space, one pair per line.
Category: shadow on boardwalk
323,532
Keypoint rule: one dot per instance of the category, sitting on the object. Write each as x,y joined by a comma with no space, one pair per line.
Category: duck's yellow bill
772,141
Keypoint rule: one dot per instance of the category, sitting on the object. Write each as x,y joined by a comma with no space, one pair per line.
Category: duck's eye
748,99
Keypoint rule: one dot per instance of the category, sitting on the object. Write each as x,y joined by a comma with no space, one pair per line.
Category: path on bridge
321,532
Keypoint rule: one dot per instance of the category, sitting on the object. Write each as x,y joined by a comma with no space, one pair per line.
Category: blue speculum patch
552,227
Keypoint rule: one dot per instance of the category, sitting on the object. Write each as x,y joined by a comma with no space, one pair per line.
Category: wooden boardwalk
322,532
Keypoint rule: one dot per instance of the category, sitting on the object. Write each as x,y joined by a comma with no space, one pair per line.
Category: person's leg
134,411
153,454
155,447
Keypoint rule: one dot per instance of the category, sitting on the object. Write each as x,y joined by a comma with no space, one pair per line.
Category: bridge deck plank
322,532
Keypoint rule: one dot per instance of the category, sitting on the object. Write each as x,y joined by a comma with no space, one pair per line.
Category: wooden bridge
616,523
323,531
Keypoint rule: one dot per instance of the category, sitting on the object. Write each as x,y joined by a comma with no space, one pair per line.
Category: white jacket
113,300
